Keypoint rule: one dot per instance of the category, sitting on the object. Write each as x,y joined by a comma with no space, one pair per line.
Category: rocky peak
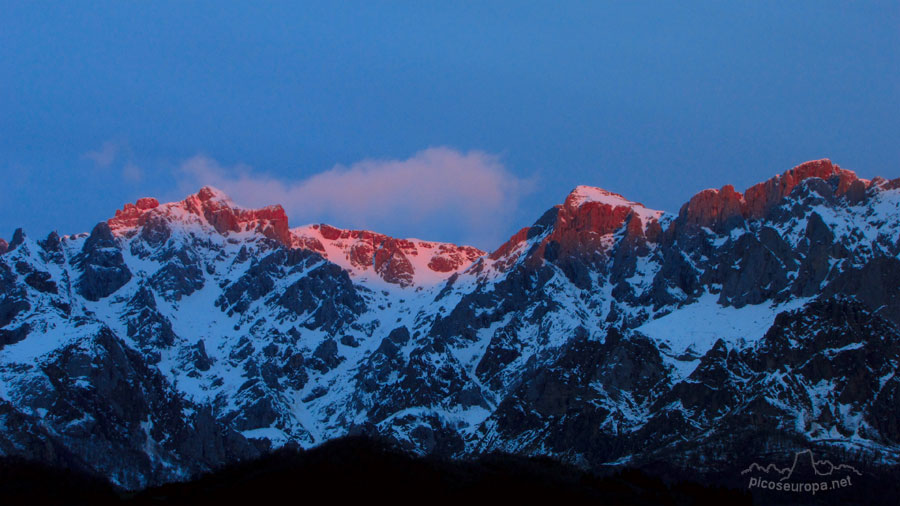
130,215
404,262
761,197
220,212
211,193
3,246
52,243
586,219
213,207
101,237
590,210
713,208
18,239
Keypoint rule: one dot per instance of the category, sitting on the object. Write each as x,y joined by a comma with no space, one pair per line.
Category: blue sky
518,102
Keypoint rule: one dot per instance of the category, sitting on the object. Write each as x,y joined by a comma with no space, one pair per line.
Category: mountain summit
362,253
210,207
715,207
176,338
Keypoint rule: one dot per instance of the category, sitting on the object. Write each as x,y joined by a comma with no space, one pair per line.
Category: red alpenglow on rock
224,216
584,225
400,261
130,215
588,214
209,206
404,262
711,208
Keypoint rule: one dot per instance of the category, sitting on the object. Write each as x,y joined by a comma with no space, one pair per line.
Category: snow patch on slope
690,331
583,194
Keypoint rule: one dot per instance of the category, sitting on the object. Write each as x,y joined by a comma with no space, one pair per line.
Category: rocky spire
18,239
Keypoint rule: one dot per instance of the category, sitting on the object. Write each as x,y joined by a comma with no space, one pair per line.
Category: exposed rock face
403,262
151,331
325,296
183,336
213,208
103,268
763,196
18,239
181,276
713,208
4,246
218,210
581,229
52,248
717,209
114,405
131,215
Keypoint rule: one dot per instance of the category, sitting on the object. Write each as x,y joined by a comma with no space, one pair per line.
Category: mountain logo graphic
803,461
805,474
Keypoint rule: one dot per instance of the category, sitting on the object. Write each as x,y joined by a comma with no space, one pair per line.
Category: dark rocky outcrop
18,239
107,407
326,296
146,325
181,275
103,268
326,356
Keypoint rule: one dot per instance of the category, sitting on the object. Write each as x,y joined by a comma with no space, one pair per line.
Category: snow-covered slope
370,256
182,336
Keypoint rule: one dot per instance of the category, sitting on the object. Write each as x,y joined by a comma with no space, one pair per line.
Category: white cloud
105,156
437,194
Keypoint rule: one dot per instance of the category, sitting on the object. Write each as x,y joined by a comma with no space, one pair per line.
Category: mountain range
181,337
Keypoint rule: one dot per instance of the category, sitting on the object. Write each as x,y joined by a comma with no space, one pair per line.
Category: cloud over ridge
437,194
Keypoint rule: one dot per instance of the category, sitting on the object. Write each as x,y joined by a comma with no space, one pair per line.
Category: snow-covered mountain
179,337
